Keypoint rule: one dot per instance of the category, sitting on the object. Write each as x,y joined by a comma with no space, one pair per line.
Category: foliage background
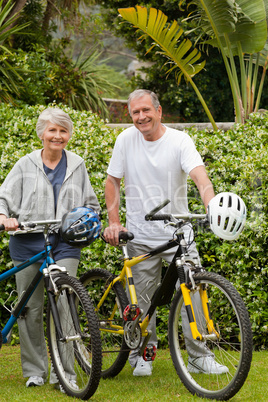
179,101
236,160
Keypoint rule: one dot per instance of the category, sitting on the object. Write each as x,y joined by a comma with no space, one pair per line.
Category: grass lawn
163,385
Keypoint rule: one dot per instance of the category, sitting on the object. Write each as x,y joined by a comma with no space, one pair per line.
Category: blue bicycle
72,326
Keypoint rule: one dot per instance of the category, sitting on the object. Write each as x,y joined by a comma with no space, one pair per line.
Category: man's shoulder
129,131
127,134
176,135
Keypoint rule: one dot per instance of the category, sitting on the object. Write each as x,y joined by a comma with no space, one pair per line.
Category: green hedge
237,161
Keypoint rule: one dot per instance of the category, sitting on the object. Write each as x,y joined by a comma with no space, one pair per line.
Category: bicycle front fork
187,290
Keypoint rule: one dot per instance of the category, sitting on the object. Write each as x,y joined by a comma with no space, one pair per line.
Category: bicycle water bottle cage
131,312
149,353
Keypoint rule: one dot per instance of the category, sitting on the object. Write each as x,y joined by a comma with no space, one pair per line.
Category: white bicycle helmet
227,215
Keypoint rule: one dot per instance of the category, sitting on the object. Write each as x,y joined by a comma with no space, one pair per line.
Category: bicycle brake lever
170,224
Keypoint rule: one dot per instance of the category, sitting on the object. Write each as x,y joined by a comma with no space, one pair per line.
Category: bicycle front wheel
76,352
231,350
114,349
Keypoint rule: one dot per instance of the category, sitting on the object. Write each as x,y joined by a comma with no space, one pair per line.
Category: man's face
145,118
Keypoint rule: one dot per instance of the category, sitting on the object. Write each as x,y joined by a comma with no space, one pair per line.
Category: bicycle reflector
227,215
80,227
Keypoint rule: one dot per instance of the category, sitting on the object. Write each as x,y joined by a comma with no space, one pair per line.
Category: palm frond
167,36
180,53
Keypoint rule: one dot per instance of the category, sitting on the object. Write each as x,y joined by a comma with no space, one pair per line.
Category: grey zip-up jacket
27,193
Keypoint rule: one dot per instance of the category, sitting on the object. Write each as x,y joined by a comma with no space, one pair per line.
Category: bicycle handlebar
32,224
25,227
151,216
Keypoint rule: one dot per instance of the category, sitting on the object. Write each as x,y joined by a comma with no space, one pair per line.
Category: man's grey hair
139,93
54,116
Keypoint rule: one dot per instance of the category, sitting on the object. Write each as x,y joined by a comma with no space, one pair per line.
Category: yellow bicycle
223,323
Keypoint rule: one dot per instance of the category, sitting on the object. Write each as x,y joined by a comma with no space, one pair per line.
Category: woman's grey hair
54,116
139,93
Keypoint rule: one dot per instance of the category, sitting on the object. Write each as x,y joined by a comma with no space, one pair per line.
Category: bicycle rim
114,349
77,357
232,350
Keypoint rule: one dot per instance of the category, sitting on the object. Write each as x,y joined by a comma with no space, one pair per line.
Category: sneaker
35,381
143,367
60,387
206,365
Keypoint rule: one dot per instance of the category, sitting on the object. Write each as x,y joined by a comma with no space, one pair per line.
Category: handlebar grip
103,238
156,209
159,217
2,228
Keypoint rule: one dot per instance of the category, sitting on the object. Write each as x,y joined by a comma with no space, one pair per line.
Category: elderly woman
44,184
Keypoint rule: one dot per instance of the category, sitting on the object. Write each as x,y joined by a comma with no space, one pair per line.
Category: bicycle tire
114,349
77,358
233,349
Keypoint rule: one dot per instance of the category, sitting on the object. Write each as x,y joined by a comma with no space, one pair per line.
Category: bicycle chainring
132,335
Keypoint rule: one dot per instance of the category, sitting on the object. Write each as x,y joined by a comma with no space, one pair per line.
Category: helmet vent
226,223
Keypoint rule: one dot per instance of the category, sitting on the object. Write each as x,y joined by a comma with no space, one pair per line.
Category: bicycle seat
125,236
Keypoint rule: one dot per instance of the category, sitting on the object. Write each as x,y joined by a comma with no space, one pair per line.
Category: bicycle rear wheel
114,349
233,348
76,357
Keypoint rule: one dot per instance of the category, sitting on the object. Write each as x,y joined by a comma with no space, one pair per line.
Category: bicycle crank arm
145,342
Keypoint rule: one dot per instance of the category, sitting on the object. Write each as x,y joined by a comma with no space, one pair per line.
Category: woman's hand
10,224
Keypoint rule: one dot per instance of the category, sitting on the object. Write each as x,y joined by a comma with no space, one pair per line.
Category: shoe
206,365
35,381
60,387
142,368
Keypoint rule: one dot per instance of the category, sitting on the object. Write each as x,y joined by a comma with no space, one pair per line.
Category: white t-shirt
153,171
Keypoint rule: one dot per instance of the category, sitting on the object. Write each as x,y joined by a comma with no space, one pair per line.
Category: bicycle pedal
131,312
149,353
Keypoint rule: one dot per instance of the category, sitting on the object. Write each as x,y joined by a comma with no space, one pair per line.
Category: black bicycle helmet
80,227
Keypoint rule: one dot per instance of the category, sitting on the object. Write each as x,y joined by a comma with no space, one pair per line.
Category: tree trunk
18,6
49,13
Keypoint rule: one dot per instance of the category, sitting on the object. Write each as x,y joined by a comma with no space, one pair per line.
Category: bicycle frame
164,291
22,302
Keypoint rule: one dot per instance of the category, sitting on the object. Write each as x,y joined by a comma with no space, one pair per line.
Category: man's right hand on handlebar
111,233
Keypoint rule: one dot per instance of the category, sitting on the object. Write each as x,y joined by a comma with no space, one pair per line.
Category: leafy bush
237,161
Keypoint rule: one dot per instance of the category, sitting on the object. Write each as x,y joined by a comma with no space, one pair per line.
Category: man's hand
111,233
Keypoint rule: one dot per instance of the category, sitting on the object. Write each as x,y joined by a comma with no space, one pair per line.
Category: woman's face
55,137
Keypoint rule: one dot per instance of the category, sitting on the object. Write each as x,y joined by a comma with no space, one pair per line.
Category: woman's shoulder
31,157
74,161
73,156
